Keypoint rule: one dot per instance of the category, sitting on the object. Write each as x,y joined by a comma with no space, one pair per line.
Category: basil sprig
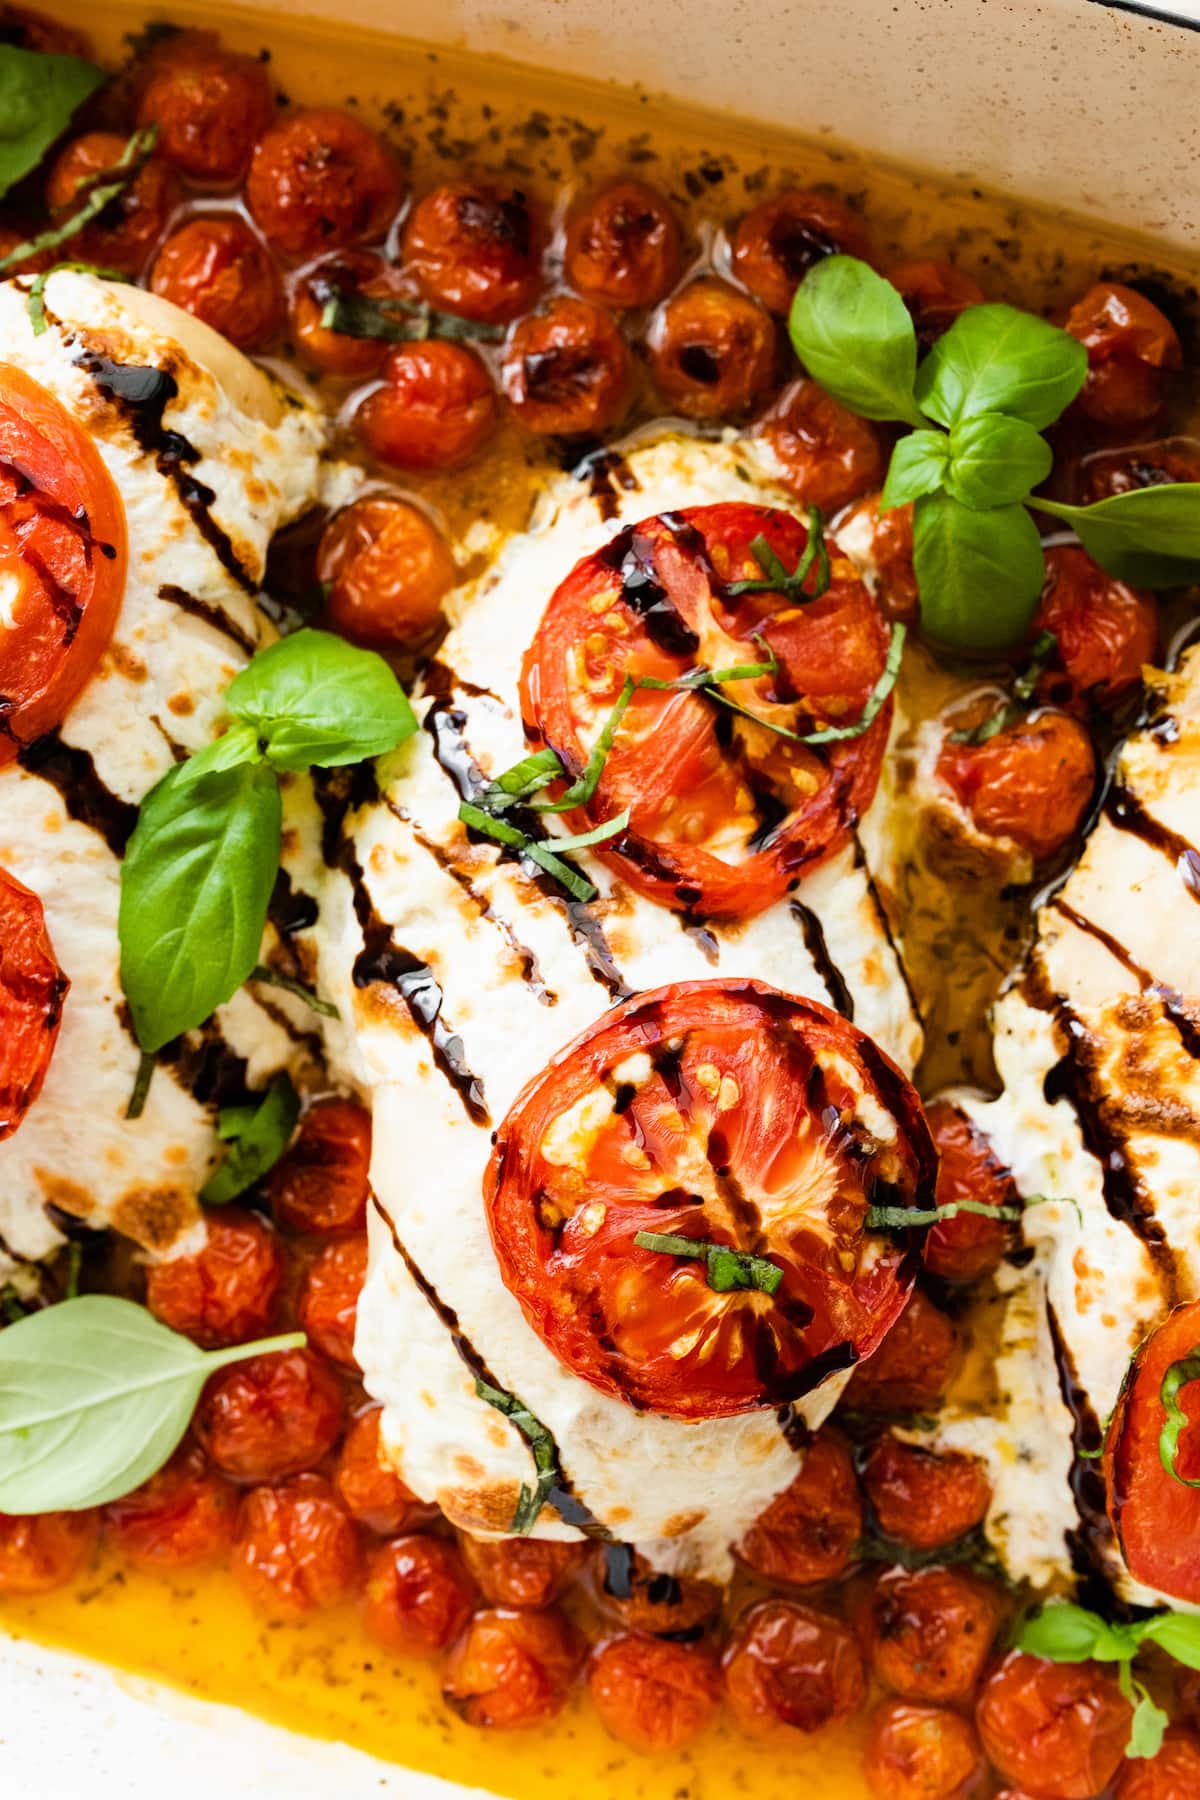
106,188
726,1269
1177,1377
202,860
978,404
541,1442
95,1394
257,1136
39,93
1070,1634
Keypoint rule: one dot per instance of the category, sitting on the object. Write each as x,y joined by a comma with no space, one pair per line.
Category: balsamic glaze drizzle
1092,1543
1171,1001
84,795
211,614
605,471
840,997
1123,809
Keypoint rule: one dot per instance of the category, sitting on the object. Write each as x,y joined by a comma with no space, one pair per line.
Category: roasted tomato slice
1156,1514
727,1114
32,990
62,560
725,814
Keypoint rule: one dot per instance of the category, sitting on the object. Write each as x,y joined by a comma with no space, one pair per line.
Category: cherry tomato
521,1572
1105,631
1129,343
1157,464
270,1416
929,1632
32,991
568,370
827,455
369,1487
1174,1774
925,1498
969,1245
476,251
934,293
419,1596
780,240
227,1291
296,1550
712,350
209,104
40,1551
320,180
651,1694
26,29
790,1665
1029,785
179,1519
220,271
1059,1729
624,246
437,408
763,1091
62,560
321,1184
921,1753
387,570
810,1531
647,1600
349,273
724,813
511,1670
126,231
329,1298
1157,1518
912,1368
11,238
888,551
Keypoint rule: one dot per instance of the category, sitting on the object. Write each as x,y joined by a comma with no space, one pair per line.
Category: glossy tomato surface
32,991
1155,1515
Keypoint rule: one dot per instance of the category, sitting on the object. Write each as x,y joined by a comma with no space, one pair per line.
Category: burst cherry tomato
437,408
712,351
934,293
738,1124
1174,1774
647,1600
827,455
369,1487
810,1531
271,1416
921,1753
882,543
329,1299
1157,464
511,1670
1029,785
790,1665
220,271
911,1370
929,1632
40,1551
777,243
32,991
654,1695
321,180
179,1519
419,1596
62,560
970,1244
126,231
1105,631
209,105
1129,343
296,1550
387,571
1059,1729
321,1184
521,1572
725,814
568,369
348,273
624,246
476,251
1157,1518
922,1497
227,1291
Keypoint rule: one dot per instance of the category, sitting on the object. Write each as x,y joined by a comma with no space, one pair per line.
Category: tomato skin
1108,472
911,1370
890,551
476,251
209,104
388,571
809,1532
624,246
227,1291
296,1551
1106,631
329,1299
712,350
521,1572
369,1488
143,208
511,1670
970,1245
642,1599
781,239
436,409
923,1497
218,270
921,1753
33,990
568,370
182,1518
349,273
935,293
1030,785
1059,1729
1129,343
270,1416
40,1551
1174,1774
827,455
321,1183
1155,1517
321,180
929,1632
788,1665
419,1595
653,1695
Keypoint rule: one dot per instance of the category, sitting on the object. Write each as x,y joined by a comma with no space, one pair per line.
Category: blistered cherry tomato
209,105
437,407
271,1416
648,1600
32,991
329,1298
26,29
651,1694
1129,343
1105,631
780,240
921,1753
227,1291
809,1532
912,1367
929,1632
181,1518
568,369
387,570
320,180
970,1244
220,271
511,1670
321,1183
521,1572
369,1487
712,350
827,456
40,1551
1156,464
296,1550
1059,1729
922,1497
934,293
1029,785
790,1665
124,233
624,246
476,250
882,544
1155,1517
1174,1774
348,273
419,1595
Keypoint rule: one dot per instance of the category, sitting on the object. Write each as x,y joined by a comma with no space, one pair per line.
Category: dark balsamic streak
1125,811
84,795
1170,999
1092,1544
213,615
604,471
885,925
840,997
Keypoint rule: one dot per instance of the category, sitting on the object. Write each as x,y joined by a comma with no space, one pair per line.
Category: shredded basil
903,1218
141,1085
1040,656
1176,1378
109,184
273,978
545,1455
36,299
476,819
727,1268
777,579
395,321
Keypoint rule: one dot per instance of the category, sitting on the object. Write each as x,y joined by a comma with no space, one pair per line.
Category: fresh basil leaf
997,359
95,1394
1062,1632
855,336
918,466
258,1137
1176,1633
995,461
315,700
1149,536
38,95
1149,1724
545,1454
979,574
1176,1421
236,746
727,1269
195,886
